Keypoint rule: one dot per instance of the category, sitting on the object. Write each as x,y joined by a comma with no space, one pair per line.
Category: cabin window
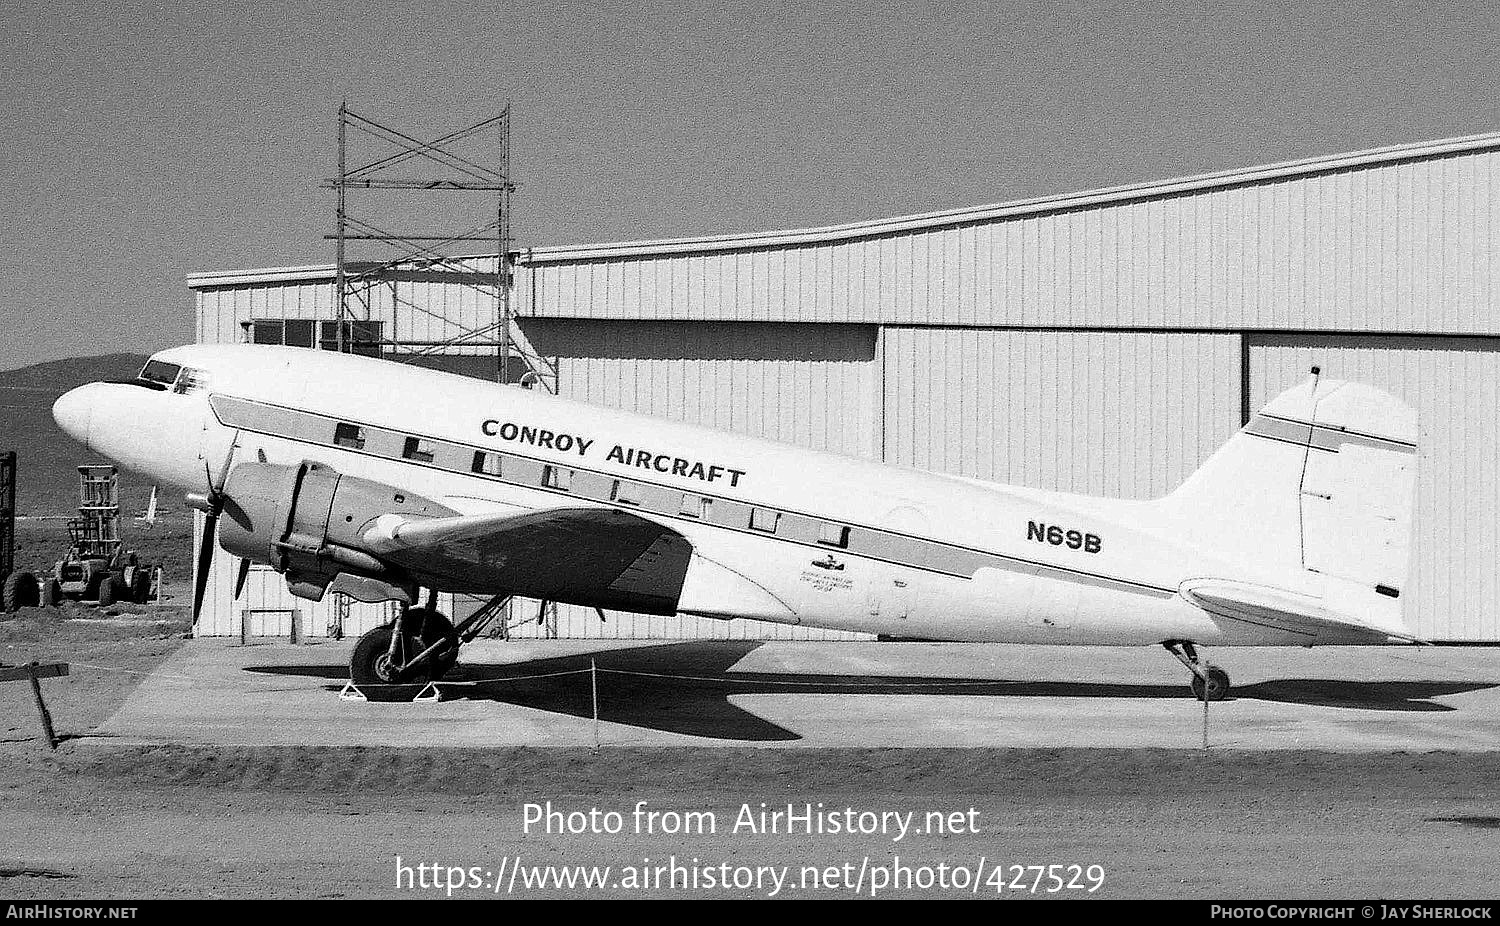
487,463
694,506
349,435
417,449
557,477
764,519
626,493
834,535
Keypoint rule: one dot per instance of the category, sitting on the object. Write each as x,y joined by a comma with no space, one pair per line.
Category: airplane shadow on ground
685,688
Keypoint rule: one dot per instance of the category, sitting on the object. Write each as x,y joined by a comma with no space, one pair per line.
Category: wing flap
597,557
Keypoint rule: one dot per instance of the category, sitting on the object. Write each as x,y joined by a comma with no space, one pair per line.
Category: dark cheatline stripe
1320,437
664,501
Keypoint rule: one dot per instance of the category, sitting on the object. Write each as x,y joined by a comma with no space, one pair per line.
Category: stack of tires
20,590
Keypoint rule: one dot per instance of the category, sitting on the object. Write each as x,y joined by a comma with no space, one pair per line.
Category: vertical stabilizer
1322,480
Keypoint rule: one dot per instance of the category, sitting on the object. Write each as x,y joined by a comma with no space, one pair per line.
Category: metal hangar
1104,342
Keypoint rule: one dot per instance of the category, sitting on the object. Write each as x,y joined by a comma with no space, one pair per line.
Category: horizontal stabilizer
1276,609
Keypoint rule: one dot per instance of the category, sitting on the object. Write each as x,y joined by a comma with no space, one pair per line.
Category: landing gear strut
396,660
1210,683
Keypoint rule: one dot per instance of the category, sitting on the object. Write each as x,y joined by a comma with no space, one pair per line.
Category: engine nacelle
307,521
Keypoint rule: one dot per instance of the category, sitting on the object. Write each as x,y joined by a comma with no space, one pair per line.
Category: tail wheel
19,591
1216,688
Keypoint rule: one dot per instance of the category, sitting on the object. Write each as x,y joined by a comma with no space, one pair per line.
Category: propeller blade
216,488
214,504
239,579
204,562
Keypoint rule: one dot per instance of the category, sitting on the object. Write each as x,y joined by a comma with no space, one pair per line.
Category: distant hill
47,480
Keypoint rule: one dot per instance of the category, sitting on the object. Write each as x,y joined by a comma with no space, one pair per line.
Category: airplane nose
73,411
151,431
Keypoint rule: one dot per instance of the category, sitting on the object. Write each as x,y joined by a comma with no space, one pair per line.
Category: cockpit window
190,381
159,371
159,374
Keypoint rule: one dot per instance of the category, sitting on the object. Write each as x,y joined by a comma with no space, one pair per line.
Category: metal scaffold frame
428,251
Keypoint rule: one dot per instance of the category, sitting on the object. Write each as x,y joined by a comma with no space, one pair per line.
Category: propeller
211,504
239,578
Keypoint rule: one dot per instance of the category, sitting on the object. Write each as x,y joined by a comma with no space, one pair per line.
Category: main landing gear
394,662
1210,683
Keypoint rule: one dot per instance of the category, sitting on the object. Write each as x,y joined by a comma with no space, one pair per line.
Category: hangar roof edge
948,217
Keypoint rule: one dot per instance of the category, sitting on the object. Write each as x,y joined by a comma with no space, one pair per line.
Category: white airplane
378,479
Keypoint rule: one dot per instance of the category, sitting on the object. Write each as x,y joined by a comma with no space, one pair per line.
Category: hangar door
1454,384
807,384
815,385
1122,414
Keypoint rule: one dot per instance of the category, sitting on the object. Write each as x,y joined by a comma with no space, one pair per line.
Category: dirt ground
97,820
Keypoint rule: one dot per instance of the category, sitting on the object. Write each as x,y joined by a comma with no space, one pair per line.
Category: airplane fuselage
778,533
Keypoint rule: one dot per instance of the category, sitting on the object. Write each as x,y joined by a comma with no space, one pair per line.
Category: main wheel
108,591
52,593
20,591
431,626
1215,689
372,668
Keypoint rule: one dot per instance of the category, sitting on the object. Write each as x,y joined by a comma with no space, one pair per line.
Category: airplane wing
556,554
1279,610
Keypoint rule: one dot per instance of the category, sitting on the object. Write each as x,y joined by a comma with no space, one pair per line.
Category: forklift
97,564
17,589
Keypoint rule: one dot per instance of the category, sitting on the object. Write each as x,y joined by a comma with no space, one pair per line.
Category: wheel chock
351,692
429,694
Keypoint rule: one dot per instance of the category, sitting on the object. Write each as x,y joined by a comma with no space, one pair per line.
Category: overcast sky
145,141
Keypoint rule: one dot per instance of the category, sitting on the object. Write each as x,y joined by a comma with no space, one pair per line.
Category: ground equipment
97,565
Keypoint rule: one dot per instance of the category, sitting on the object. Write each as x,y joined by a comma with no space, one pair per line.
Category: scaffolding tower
441,255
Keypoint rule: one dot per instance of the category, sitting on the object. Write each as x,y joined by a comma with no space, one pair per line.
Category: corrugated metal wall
222,310
1405,246
416,307
1454,384
810,385
1123,414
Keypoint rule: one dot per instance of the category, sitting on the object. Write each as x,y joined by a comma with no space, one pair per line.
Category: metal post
7,513
504,282
340,281
41,706
594,685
